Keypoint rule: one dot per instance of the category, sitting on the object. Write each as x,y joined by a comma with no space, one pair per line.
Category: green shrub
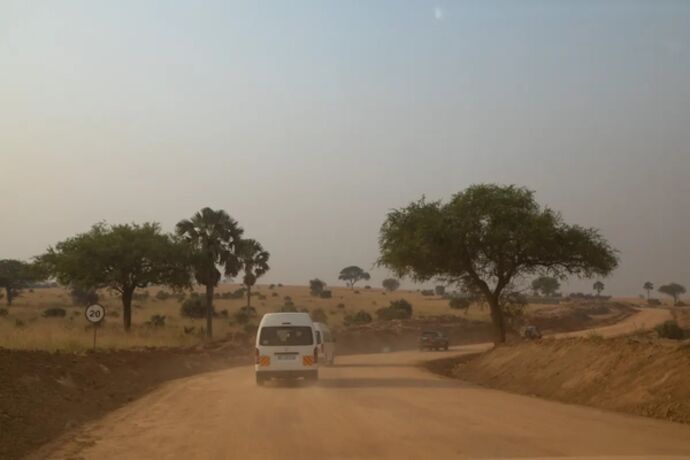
19,323
361,317
670,330
367,287
288,308
194,307
4,312
140,295
341,306
459,303
55,312
398,309
83,297
427,292
326,294
274,294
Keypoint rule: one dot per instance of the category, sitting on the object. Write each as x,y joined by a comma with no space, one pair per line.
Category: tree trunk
127,295
497,320
10,296
209,311
249,295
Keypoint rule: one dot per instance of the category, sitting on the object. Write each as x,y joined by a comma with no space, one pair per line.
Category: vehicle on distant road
325,342
433,340
286,347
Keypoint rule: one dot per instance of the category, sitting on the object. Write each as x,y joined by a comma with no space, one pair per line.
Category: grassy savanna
25,327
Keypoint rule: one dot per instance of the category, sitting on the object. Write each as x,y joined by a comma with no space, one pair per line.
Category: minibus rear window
286,336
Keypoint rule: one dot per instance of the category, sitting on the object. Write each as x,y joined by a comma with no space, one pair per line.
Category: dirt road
366,407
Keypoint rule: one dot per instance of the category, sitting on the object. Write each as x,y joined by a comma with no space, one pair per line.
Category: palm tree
254,259
648,286
214,237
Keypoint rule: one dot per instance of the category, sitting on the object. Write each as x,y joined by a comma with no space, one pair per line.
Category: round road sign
95,313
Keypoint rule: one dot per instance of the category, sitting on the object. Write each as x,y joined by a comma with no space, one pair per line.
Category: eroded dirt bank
44,394
637,374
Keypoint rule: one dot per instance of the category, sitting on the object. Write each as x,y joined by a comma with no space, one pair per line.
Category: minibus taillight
256,356
316,355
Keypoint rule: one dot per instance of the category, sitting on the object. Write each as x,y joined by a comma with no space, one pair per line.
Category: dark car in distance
433,340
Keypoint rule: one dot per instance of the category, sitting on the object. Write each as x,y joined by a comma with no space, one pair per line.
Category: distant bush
341,305
249,329
398,309
356,292
680,303
4,312
140,295
361,317
427,292
83,297
272,286
280,285
326,294
440,290
670,330
319,316
288,308
194,307
261,297
367,287
156,321
19,323
55,312
223,313
245,314
163,295
390,284
459,303
274,294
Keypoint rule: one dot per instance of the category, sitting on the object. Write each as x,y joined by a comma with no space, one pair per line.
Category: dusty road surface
380,406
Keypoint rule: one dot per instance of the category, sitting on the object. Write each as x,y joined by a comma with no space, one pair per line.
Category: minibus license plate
286,357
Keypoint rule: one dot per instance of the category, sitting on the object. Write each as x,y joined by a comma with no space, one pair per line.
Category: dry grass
74,333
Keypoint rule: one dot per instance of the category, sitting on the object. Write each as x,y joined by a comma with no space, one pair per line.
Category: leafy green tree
546,285
254,260
440,290
316,287
674,290
16,275
121,258
648,286
485,238
352,274
599,287
214,237
390,284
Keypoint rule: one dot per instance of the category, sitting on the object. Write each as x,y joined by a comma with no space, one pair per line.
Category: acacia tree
16,275
254,261
546,285
674,290
390,284
213,237
648,286
316,287
484,239
599,287
352,274
121,258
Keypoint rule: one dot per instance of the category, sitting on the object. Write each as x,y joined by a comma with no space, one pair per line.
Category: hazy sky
308,120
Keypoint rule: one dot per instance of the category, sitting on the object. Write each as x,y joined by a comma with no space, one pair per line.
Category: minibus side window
318,337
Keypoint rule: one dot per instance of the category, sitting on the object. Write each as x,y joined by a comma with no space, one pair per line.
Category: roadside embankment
43,394
637,374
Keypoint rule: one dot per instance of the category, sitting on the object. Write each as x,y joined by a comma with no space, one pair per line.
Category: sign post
95,314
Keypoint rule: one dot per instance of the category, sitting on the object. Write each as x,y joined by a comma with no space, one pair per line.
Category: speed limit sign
95,313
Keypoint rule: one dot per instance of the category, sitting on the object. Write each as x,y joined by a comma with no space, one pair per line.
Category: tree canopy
316,286
16,275
648,286
121,258
674,290
390,284
487,237
352,274
214,239
546,285
254,260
